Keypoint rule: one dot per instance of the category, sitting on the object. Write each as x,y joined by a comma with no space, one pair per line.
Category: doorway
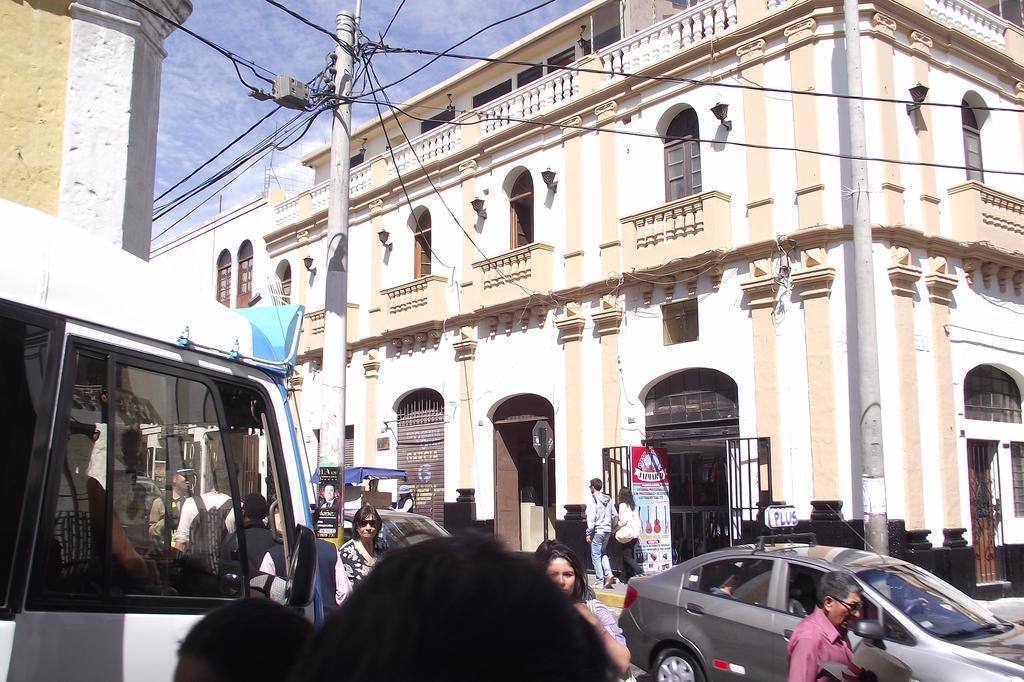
518,474
421,450
985,513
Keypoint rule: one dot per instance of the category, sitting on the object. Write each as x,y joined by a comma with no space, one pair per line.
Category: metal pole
544,492
872,472
332,424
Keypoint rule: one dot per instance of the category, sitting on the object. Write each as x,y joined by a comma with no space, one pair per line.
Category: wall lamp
383,236
548,177
917,94
478,206
255,299
308,262
721,112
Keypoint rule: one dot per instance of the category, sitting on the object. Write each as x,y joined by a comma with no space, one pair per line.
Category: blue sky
203,106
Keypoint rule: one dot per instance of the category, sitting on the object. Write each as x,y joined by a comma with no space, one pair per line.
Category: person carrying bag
627,533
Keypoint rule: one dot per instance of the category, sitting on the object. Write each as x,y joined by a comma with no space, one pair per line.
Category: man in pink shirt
821,636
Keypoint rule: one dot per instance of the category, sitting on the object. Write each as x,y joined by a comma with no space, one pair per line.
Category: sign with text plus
780,516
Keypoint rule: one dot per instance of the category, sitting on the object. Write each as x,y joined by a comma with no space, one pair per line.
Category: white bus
119,400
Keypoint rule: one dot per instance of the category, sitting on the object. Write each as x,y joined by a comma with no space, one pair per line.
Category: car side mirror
870,630
302,568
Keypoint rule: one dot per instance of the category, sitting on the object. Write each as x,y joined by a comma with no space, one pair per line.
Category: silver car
728,615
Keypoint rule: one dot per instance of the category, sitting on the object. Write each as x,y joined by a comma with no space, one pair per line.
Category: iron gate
750,486
421,450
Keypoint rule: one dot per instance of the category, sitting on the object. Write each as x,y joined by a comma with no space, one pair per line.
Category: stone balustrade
982,214
679,229
971,19
415,303
514,274
529,101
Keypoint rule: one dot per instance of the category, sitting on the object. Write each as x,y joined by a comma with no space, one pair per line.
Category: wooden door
980,454
506,490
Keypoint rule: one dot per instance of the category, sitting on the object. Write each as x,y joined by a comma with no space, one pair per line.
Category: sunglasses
852,608
368,522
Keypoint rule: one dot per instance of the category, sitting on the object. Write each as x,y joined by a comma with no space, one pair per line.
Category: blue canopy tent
356,475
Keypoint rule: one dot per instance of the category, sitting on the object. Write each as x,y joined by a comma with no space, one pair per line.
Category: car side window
745,580
801,589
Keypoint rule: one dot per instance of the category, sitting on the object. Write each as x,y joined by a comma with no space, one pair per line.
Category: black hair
362,513
248,639
838,585
458,609
549,550
626,495
596,484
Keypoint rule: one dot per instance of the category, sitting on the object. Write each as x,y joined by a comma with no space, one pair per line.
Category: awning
356,475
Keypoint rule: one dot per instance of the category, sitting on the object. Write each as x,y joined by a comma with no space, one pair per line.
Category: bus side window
24,363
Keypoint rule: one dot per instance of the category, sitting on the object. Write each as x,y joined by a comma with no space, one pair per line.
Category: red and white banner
649,482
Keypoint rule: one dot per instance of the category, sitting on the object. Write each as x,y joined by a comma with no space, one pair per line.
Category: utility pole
872,473
332,423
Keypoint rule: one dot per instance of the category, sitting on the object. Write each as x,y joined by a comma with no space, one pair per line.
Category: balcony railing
515,274
680,229
700,22
971,19
311,340
415,303
982,214
428,146
529,101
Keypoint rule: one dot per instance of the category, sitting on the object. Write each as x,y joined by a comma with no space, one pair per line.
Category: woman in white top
627,533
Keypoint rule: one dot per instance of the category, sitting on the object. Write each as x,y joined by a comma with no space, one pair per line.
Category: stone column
814,284
370,371
940,294
761,290
801,40
904,276
377,251
920,50
465,360
607,320
570,326
755,123
467,277
611,239
108,158
572,185
884,28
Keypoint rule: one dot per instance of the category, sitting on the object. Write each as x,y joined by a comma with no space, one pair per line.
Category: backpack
206,533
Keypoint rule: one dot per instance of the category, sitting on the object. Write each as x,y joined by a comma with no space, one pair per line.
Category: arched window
284,282
421,235
694,395
991,395
244,275
224,278
521,203
972,143
682,156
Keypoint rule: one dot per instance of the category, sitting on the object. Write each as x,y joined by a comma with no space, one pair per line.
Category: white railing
359,179
428,146
526,102
678,32
286,212
320,197
971,19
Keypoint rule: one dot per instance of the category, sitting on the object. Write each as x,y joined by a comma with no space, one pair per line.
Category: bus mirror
302,568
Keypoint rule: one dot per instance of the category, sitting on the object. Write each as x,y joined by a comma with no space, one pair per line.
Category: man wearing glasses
821,637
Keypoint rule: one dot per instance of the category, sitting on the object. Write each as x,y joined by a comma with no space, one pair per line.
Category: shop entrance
518,482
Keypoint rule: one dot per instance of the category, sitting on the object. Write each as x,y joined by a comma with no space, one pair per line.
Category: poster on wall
328,504
649,482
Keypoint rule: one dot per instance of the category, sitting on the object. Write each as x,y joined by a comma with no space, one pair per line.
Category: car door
730,605
799,584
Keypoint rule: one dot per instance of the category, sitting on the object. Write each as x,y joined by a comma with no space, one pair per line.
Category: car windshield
409,531
933,604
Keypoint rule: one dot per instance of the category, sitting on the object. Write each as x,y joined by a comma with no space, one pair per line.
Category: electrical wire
312,25
691,81
748,145
236,60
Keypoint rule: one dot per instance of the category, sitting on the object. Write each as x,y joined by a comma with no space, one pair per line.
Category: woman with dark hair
460,608
358,556
564,568
627,533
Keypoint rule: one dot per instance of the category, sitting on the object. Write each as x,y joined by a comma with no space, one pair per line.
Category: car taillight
631,596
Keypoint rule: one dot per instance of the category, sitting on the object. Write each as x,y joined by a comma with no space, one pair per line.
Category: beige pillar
761,290
611,239
375,311
608,319
920,48
370,370
809,188
469,253
892,187
904,276
572,185
755,122
814,284
940,289
465,360
570,326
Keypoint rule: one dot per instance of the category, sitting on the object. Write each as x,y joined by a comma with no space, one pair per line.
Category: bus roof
58,267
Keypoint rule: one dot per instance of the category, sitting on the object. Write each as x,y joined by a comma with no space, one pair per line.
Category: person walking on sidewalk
627,532
601,518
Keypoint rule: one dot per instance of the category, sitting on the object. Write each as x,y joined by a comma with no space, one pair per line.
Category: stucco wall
33,78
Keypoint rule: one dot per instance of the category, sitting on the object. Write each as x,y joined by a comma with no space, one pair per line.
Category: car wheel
674,665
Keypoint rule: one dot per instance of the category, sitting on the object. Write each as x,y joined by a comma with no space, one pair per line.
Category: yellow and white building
604,247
